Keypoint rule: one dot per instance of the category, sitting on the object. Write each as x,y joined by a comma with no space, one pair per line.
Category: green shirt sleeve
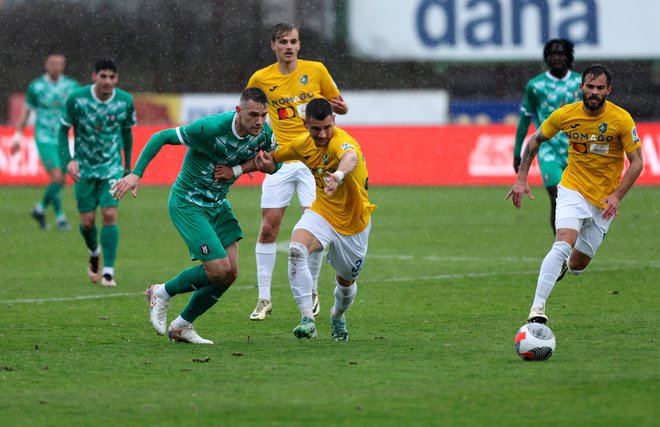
156,142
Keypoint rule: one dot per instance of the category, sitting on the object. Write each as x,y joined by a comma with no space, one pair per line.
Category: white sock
344,297
161,293
109,270
266,254
550,271
179,323
314,261
96,252
300,278
39,208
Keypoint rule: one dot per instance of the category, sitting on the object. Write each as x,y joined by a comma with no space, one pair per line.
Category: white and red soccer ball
535,341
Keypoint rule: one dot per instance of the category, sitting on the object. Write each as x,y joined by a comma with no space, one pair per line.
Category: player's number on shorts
111,183
357,268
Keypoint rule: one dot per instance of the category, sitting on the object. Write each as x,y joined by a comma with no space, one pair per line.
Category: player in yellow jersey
590,192
290,84
339,219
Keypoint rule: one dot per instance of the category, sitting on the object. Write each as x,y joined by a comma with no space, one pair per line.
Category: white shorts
576,213
346,253
277,189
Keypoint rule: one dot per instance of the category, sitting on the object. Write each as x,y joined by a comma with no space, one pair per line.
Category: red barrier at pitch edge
440,155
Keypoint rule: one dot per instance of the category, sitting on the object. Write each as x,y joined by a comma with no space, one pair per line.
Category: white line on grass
627,266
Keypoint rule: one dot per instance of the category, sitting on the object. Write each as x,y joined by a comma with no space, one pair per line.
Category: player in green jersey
46,97
102,117
199,208
545,93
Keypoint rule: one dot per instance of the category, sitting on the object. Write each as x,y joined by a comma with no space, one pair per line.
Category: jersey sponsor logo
576,137
273,88
303,79
599,148
575,126
286,113
205,249
295,99
579,147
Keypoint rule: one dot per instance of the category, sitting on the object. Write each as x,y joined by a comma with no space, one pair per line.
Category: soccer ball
535,341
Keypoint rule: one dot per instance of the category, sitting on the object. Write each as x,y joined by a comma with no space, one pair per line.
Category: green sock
50,192
188,280
90,237
201,300
56,200
109,243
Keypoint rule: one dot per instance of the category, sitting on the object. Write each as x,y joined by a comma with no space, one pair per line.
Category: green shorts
206,231
94,192
552,164
50,155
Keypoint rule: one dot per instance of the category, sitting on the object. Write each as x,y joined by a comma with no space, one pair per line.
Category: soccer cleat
186,334
316,307
564,269
40,218
63,225
305,329
537,315
157,310
108,281
93,269
263,309
339,331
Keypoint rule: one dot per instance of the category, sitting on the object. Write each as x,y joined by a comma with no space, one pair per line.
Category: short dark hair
318,108
105,64
254,94
281,30
596,70
567,47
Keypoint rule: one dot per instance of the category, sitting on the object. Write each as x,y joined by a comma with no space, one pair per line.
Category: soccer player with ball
600,134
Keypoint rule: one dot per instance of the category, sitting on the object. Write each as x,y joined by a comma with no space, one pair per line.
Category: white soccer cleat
537,315
157,310
108,281
186,334
263,309
316,306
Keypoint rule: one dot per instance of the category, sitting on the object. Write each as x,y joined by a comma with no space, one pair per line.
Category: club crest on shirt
204,249
602,127
303,79
324,160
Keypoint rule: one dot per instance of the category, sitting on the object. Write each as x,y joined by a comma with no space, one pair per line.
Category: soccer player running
46,96
199,208
591,188
339,218
558,86
102,117
290,84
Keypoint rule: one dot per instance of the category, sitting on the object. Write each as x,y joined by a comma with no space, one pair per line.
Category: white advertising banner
401,107
488,30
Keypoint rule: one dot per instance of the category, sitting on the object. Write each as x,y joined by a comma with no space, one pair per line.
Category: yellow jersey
289,94
596,147
348,210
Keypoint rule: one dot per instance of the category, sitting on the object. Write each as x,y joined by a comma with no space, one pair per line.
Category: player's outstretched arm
632,173
521,187
347,164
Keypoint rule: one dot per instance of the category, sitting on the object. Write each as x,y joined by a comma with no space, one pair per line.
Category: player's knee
221,273
298,252
109,217
268,232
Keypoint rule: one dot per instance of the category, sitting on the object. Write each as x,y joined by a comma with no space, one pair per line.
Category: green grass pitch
448,279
